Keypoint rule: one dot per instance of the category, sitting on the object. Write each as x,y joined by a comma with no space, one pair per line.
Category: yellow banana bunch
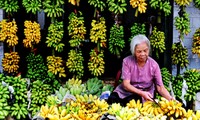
114,108
127,114
46,110
85,98
10,62
74,2
96,63
141,6
183,2
8,32
73,81
134,104
150,107
32,34
55,66
196,42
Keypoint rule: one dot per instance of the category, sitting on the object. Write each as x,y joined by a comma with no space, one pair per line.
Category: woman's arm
163,92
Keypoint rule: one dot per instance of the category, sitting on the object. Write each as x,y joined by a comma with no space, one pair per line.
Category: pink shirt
141,78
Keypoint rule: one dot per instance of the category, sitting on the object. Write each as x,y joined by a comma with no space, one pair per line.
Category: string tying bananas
55,66
183,2
157,39
117,6
76,29
8,32
10,62
161,5
141,6
96,63
32,34
136,29
196,42
75,63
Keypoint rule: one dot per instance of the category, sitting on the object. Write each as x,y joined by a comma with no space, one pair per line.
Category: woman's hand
147,96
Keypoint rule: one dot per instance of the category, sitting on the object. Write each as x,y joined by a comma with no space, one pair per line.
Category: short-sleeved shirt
142,78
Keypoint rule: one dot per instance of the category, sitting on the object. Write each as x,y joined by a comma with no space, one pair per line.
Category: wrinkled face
142,52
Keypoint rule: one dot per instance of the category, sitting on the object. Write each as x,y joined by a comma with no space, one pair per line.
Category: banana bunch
32,34
107,87
196,42
19,111
96,63
179,55
116,40
98,4
93,86
8,32
32,6
39,93
127,114
157,40
73,81
74,2
134,104
10,6
55,35
4,98
53,8
55,66
53,100
161,5
141,6
75,63
10,62
117,6
197,3
136,29
85,98
98,32
177,84
182,23
192,80
77,89
60,94
183,2
76,29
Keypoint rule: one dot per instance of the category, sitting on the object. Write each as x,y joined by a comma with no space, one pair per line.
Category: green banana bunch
55,35
107,87
53,81
179,55
53,100
161,5
157,39
197,3
116,40
19,111
77,89
117,6
73,81
10,6
196,42
75,63
136,29
32,6
98,4
192,80
93,86
96,63
183,2
53,8
76,29
177,84
4,98
61,92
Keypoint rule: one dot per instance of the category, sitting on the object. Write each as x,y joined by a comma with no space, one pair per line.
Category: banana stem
136,12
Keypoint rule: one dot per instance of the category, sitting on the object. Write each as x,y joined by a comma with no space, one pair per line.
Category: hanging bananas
177,84
136,29
76,29
32,34
157,40
55,66
32,6
98,4
161,5
183,2
10,6
75,63
53,8
96,63
55,35
116,40
197,3
117,6
8,32
74,2
196,42
141,6
10,62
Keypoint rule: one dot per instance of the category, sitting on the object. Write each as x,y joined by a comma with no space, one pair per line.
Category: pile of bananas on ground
55,35
8,32
177,84
32,6
183,2
99,4
98,32
53,8
161,5
197,3
9,6
117,6
55,66
141,6
116,40
76,29
196,42
10,62
192,80
137,28
157,39
74,2
32,34
77,88
96,63
94,86
179,55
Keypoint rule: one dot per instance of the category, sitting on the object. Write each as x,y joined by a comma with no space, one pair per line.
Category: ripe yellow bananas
141,6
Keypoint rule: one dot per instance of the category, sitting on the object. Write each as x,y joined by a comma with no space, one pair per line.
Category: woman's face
142,52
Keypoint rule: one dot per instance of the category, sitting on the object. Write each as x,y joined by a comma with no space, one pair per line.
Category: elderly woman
140,74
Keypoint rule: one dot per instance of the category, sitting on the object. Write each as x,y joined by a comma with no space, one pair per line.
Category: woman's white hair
137,40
